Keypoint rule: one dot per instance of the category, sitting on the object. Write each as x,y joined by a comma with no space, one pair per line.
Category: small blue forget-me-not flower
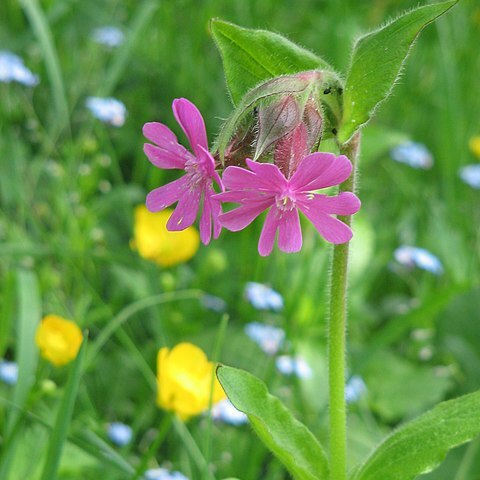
12,69
108,110
470,174
108,36
355,389
224,411
163,474
8,372
267,337
263,297
416,155
293,366
418,257
119,433
216,304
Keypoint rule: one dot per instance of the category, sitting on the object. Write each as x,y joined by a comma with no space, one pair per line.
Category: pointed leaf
421,445
291,441
376,62
253,56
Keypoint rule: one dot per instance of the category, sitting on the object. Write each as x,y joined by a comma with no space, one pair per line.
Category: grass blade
60,429
29,312
43,33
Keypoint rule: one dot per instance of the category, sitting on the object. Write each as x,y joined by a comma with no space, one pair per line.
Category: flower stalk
337,320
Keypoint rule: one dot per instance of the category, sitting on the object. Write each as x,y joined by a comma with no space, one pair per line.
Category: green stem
337,336
162,432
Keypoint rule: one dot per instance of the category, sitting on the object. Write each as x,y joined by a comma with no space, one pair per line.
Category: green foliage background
414,338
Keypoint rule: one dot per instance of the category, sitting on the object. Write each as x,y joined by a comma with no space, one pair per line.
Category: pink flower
265,187
197,183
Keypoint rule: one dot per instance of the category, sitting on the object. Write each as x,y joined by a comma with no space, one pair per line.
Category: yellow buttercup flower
58,339
154,242
474,145
184,378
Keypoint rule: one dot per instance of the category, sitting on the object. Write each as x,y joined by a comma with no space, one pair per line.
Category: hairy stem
337,334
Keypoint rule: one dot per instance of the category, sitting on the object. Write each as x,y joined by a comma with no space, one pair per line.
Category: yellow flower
474,145
184,378
154,242
58,339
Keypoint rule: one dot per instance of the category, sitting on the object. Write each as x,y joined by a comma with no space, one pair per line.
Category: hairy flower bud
284,118
275,121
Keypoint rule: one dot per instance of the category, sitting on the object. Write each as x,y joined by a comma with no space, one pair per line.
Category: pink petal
186,211
267,237
330,228
164,196
244,196
237,178
346,203
321,170
162,136
216,212
191,121
164,159
240,217
211,211
268,173
289,231
206,221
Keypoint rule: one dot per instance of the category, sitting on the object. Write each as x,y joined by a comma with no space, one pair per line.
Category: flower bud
275,121
282,116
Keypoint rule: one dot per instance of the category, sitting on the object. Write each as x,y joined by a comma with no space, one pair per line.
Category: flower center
285,201
196,172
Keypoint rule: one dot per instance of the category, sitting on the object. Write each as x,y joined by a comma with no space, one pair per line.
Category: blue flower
214,303
293,366
470,174
413,154
108,36
355,389
263,297
8,372
163,474
224,411
12,69
268,338
108,110
418,257
119,433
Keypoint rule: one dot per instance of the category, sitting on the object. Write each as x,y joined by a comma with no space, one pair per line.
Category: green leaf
421,445
291,441
64,415
376,63
407,390
253,56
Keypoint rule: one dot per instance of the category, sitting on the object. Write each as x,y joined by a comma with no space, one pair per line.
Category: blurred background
73,172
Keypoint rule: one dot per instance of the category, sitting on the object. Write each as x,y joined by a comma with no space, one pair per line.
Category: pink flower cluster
261,187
